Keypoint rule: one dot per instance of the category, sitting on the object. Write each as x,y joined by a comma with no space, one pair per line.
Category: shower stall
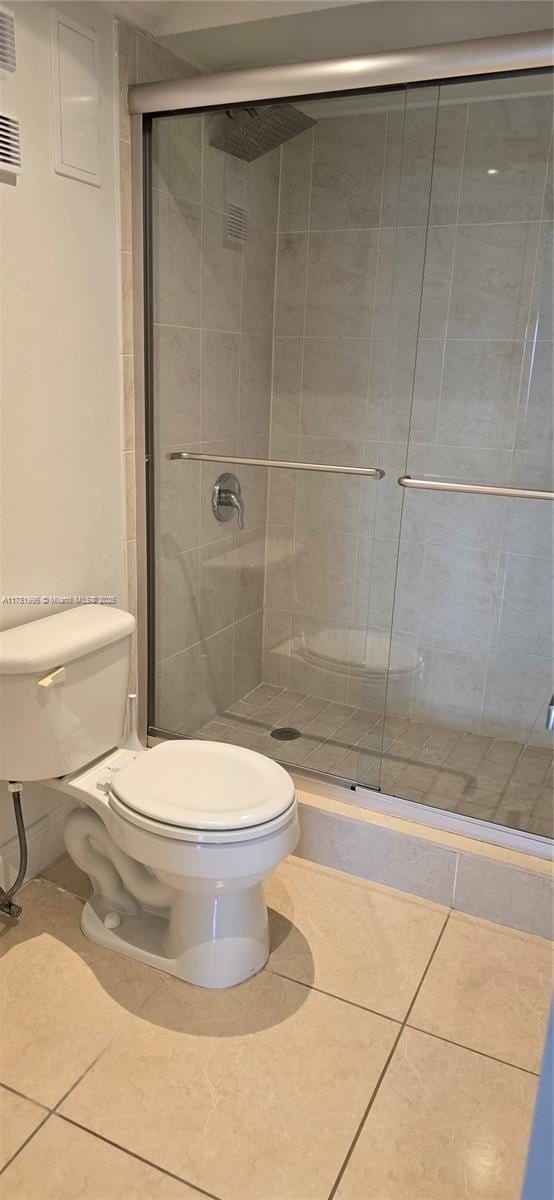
349,424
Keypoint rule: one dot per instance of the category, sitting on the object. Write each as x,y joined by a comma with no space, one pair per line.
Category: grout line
333,996
388,1061
23,1096
25,1143
139,1157
472,1050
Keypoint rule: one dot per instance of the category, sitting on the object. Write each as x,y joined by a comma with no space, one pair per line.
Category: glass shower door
284,299
474,580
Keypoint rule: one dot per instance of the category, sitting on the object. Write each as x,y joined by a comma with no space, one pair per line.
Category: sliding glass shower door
474,577
284,300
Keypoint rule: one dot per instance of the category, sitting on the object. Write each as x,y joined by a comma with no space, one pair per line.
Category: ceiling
337,30
165,17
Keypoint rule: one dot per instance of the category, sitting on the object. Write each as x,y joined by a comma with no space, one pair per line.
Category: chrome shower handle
226,498
550,716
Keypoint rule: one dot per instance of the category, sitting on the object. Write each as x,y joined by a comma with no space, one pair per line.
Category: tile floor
496,780
389,1050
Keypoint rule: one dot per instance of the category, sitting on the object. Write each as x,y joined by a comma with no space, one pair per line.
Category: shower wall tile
437,278
276,647
528,528
448,162
400,267
249,573
296,170
177,506
335,387
219,407
324,572
291,283
247,654
255,385
518,689
178,619
480,387
262,192
327,501
390,388
409,161
509,137
177,157
282,483
491,286
541,310
216,580
450,686
341,281
535,424
457,597
258,281
177,375
288,354
525,620
347,172
221,274
176,256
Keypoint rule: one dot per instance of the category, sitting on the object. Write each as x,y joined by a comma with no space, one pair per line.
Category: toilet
176,840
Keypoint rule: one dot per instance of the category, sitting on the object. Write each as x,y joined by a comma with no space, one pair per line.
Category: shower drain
286,733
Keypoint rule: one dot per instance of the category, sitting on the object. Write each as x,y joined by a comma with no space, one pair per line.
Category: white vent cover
10,133
10,144
7,40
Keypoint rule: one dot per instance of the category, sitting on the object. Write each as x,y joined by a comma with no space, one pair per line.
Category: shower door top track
392,68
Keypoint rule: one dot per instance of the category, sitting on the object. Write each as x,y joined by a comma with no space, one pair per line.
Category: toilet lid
204,785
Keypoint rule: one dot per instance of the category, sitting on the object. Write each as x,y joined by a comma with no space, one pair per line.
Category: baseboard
44,844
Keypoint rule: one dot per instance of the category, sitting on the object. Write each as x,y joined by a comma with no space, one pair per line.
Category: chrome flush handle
227,498
550,715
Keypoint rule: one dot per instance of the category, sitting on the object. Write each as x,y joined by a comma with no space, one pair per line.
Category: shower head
247,133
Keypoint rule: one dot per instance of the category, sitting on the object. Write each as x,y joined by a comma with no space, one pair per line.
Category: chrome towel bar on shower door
372,472
477,489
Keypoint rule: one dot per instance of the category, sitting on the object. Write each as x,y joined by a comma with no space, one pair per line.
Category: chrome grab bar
476,489
193,456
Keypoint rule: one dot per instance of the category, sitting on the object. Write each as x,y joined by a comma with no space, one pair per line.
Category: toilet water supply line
7,904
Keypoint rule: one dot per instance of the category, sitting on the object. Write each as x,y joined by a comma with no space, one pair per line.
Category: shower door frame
480,58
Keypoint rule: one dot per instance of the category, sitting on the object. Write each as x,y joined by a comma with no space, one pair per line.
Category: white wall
61,524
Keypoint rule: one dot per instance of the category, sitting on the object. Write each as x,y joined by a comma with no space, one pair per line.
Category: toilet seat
199,791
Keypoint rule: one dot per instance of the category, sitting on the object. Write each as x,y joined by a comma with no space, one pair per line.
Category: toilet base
198,940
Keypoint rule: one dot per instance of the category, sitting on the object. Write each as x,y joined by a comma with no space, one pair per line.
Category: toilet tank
63,690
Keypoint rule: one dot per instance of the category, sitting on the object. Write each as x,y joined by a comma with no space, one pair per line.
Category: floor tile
447,1124
488,988
364,943
62,998
18,1119
249,1093
63,1162
64,873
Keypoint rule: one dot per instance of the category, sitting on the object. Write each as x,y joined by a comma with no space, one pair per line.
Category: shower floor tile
386,1039
490,778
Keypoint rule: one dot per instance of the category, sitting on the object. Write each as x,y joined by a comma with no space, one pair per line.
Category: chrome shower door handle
227,498
550,715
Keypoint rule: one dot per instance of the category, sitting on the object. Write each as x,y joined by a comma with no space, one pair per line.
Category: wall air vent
7,40
10,133
10,144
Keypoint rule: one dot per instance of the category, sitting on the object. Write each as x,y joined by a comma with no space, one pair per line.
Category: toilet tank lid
61,638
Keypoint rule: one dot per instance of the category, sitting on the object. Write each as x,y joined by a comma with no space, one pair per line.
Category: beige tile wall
213,320
474,587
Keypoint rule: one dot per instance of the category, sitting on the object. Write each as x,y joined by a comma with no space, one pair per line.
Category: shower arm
332,469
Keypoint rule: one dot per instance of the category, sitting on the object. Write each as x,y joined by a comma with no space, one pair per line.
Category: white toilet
177,839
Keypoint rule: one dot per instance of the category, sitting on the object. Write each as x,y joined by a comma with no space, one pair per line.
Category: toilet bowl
176,840
177,847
